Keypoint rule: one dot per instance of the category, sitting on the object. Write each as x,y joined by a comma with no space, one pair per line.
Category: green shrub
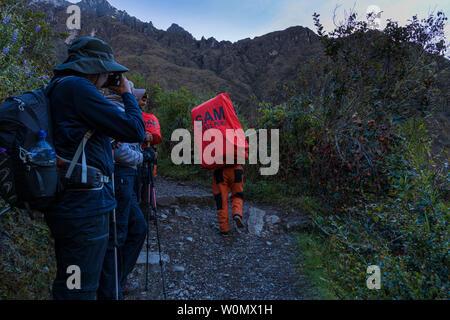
406,235
26,55
370,153
405,232
340,126
173,110
27,263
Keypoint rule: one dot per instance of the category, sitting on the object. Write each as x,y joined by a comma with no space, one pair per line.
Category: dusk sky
238,19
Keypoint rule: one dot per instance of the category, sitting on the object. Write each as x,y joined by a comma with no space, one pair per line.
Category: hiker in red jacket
152,138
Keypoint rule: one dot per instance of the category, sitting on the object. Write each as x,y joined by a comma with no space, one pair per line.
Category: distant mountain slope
174,58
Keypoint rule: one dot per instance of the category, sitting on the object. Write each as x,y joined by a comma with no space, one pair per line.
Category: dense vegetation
355,132
27,263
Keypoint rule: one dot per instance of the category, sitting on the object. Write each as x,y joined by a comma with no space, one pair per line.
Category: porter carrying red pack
152,126
227,141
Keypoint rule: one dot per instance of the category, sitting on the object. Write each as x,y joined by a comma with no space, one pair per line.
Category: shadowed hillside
174,58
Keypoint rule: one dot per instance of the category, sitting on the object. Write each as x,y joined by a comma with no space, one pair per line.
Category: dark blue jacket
77,106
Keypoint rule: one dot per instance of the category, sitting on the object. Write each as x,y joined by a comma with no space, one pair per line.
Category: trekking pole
149,213
152,197
148,231
4,211
116,246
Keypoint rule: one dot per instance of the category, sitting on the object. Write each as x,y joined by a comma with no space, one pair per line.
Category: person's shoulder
74,82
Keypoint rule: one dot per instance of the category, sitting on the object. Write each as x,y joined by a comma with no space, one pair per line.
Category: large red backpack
152,126
218,113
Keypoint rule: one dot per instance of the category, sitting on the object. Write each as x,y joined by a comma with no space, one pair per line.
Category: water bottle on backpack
28,170
42,153
42,171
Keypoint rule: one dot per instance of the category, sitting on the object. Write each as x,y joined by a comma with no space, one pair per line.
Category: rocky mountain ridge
258,67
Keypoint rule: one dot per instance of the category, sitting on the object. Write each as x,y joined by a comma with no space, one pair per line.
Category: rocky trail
258,262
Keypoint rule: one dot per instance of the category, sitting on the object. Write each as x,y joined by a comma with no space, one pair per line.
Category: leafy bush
173,110
26,56
27,263
406,234
369,149
27,258
341,124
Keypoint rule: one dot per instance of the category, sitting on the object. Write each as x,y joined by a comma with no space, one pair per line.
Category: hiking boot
238,219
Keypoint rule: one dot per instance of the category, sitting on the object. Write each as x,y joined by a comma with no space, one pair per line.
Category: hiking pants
225,179
81,244
131,233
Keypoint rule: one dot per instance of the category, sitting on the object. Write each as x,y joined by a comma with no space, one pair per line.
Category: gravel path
259,262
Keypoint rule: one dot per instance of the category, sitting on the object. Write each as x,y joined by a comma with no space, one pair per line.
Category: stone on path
179,213
255,221
273,220
178,268
166,201
153,258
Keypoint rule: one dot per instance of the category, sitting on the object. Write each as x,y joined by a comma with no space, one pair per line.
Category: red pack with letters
218,113
152,126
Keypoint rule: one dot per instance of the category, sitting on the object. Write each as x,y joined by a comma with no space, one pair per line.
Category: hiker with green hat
79,217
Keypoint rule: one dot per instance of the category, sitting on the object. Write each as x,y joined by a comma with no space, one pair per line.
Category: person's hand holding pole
148,138
149,155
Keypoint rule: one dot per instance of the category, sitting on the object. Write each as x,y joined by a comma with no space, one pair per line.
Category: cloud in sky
238,19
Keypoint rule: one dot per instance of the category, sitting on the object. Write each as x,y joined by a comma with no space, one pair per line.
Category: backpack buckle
105,179
23,155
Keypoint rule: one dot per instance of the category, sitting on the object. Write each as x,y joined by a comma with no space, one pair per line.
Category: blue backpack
24,184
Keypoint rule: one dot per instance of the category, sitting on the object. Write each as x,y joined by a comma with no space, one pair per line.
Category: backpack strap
52,85
80,152
30,111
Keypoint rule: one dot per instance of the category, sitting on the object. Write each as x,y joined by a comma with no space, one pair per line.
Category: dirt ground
257,262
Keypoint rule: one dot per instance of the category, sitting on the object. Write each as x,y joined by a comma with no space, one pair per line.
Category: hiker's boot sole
239,222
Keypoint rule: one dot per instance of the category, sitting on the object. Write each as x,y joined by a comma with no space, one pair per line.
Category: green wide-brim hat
91,56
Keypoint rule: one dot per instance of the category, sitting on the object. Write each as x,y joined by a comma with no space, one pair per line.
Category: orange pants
225,179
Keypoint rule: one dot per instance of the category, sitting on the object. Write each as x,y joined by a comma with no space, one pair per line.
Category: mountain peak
101,7
176,28
56,3
95,3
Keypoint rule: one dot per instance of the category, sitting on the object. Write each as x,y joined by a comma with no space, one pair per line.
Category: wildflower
6,50
14,36
6,20
21,50
24,63
38,28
